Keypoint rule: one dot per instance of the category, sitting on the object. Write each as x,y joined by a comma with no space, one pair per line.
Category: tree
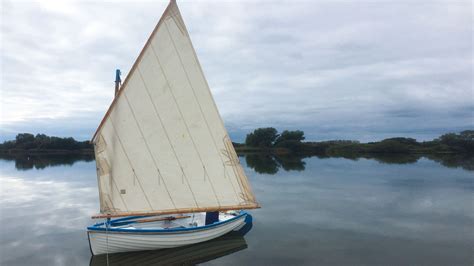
261,137
24,138
291,140
295,136
25,141
463,141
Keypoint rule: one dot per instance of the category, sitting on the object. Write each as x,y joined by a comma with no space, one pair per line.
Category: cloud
337,69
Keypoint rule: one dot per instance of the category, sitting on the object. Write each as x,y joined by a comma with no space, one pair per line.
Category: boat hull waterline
114,240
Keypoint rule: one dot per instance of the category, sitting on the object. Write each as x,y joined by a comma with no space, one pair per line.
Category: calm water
316,211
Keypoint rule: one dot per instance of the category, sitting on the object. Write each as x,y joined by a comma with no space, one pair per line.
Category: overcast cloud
362,70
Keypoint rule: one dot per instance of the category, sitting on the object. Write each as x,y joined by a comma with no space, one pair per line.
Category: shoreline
245,150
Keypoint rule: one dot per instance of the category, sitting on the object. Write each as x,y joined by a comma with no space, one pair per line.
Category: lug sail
162,146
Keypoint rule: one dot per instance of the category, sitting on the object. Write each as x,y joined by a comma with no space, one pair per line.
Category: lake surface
315,211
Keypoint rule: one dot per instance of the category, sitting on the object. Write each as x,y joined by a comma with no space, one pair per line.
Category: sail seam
134,66
165,131
239,181
147,147
184,121
130,163
198,103
174,15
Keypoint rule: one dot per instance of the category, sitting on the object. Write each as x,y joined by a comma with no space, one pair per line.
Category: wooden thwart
177,211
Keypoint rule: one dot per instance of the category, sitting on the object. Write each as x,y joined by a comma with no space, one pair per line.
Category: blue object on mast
118,81
117,75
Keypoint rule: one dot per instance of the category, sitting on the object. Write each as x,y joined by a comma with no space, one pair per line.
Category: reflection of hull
188,255
126,238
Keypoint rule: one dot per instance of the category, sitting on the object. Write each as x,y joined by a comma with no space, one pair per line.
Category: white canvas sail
162,146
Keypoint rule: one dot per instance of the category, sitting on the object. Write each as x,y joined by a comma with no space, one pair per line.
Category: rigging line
184,121
196,98
148,147
130,163
166,132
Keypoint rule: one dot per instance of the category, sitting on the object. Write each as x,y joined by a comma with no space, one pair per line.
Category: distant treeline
26,142
268,139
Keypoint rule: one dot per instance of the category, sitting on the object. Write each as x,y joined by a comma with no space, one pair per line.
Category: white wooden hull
187,255
102,242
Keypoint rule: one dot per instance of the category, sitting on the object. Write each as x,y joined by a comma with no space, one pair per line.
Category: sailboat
167,172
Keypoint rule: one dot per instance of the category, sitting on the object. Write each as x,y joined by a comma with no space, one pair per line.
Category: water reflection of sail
187,255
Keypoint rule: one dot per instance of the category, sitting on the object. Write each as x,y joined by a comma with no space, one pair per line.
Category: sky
360,70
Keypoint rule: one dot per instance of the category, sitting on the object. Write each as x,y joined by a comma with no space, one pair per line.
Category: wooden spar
135,65
169,218
177,211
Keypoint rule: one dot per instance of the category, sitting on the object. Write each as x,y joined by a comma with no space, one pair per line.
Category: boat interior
158,222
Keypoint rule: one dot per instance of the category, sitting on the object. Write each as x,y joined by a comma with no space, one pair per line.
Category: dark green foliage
23,138
389,146
463,141
296,135
261,137
290,140
40,142
269,137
